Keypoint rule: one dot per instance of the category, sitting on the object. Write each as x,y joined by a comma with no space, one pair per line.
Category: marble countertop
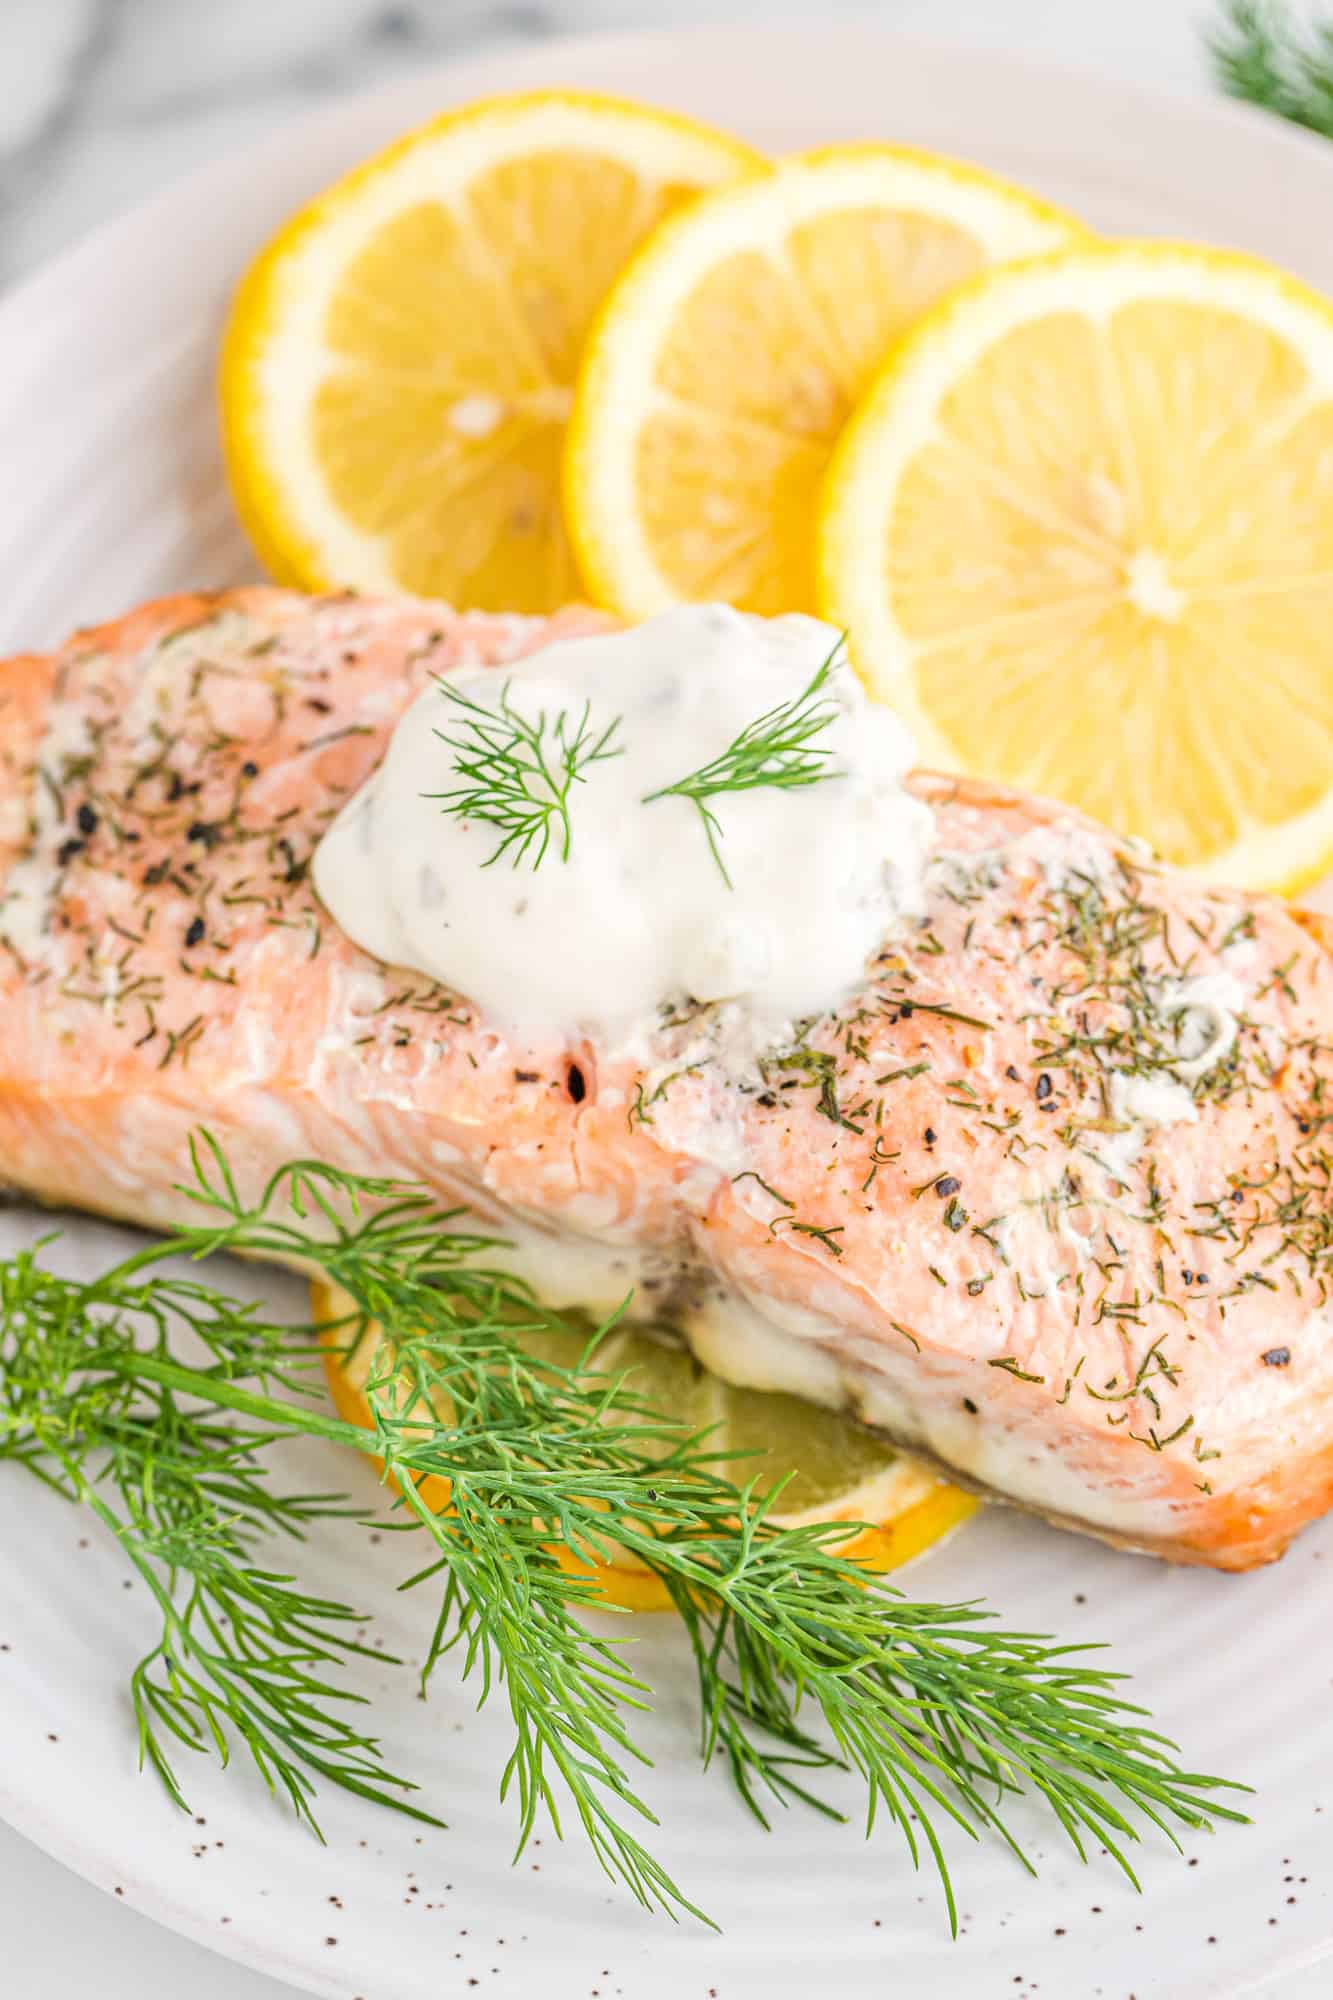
104,102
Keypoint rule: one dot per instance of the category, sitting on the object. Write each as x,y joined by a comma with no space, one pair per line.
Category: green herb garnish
775,749
937,1711
519,776
1263,55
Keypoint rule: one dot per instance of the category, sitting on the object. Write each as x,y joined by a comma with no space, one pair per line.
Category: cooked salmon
1049,1200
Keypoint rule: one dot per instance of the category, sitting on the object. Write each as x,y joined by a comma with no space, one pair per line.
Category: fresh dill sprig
243,1656
519,774
804,1661
777,749
1263,55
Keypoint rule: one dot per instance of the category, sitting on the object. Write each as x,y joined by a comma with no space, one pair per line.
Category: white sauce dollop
639,918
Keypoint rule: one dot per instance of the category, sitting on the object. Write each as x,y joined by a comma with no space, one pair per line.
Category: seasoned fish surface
1049,1199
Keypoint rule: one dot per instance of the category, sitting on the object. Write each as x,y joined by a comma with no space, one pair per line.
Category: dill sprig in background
1264,55
804,1662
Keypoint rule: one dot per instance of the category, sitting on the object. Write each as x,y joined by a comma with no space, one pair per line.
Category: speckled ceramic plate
113,492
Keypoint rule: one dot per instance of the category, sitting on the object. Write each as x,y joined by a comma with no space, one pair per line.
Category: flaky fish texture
1048,1200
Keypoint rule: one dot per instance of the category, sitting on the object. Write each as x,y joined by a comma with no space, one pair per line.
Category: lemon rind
896,418
616,381
278,313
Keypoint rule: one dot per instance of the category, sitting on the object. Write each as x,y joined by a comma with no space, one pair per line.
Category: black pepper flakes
295,869
1277,1357
195,934
946,1185
67,850
1044,1086
87,819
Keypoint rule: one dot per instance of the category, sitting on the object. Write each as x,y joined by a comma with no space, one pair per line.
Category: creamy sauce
640,916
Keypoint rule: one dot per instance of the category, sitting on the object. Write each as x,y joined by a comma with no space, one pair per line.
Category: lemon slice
399,363
829,1468
728,356
1081,532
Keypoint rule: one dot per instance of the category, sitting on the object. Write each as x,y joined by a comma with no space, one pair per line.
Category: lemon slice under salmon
833,1469
729,355
399,363
1081,534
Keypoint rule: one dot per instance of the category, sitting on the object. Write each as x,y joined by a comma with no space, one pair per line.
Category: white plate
112,492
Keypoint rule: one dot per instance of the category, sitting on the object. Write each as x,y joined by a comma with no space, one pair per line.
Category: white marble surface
102,102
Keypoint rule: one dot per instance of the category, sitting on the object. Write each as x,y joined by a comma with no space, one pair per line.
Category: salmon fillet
1049,1200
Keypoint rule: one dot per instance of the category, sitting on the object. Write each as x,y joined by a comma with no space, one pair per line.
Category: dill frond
518,775
776,749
